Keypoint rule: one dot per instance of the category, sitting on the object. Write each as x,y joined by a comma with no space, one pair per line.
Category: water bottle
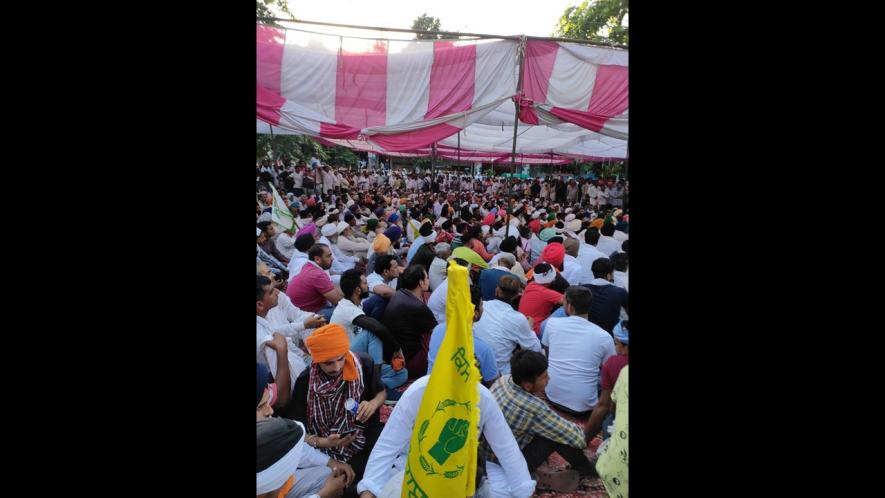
352,406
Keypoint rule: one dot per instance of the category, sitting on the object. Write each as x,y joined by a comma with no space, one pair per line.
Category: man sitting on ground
313,289
485,355
510,478
577,349
608,299
502,327
488,279
315,474
410,320
303,243
538,301
321,394
368,335
539,430
382,281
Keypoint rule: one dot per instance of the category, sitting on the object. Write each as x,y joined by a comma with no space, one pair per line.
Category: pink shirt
307,288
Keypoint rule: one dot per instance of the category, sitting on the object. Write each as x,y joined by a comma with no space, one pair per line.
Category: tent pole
459,148
521,56
432,163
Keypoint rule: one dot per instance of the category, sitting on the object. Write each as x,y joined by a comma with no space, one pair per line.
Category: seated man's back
608,299
502,327
578,348
607,302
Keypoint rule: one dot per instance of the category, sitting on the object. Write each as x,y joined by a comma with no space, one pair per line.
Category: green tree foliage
302,148
426,23
596,20
297,147
343,156
273,8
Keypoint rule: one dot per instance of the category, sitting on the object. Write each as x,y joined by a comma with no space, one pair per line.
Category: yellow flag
442,455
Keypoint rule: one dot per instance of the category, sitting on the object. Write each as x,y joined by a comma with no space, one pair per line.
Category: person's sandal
561,481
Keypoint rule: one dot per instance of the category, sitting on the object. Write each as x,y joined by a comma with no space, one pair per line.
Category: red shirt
538,303
307,288
611,369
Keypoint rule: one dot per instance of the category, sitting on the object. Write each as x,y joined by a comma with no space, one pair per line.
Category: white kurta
393,444
268,356
503,328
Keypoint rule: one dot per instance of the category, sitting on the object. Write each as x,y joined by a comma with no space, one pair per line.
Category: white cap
342,225
545,278
329,230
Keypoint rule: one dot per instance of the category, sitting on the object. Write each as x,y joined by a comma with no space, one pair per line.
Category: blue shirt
483,352
488,281
414,248
375,306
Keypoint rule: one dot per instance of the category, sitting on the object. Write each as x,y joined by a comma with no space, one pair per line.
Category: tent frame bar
447,33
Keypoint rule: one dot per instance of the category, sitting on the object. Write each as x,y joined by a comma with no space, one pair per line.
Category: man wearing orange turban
329,345
338,398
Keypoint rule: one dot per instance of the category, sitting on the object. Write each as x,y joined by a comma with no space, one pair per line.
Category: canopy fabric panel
579,84
399,95
601,149
394,96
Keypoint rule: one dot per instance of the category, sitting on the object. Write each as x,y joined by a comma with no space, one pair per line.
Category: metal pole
521,56
432,162
459,157
459,147
452,34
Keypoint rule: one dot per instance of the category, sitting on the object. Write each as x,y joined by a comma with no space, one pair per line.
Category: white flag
280,214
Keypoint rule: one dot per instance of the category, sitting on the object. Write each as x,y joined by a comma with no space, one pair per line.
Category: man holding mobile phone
326,392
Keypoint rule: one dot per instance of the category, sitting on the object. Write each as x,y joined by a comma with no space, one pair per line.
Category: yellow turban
381,244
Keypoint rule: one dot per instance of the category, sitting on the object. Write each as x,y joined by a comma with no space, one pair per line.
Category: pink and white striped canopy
402,96
584,85
398,95
601,149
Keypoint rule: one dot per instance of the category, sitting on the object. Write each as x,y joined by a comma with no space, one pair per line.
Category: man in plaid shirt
538,430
